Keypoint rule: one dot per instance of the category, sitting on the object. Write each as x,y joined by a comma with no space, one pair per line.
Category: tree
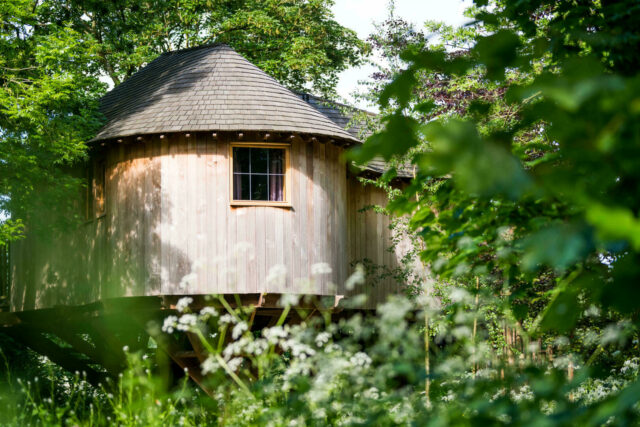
533,190
54,53
297,42
48,109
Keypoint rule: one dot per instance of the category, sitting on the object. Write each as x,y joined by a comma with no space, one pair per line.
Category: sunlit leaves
557,245
526,158
48,110
398,136
615,223
297,42
479,167
497,52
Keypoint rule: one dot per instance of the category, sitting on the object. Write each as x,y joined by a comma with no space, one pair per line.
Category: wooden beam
180,357
65,332
34,339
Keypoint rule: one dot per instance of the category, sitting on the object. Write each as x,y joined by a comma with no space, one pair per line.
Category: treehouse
209,177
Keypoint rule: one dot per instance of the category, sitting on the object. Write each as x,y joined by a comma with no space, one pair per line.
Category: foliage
48,93
524,134
297,42
54,52
351,371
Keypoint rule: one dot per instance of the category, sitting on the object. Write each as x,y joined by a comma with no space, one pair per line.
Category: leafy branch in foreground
532,190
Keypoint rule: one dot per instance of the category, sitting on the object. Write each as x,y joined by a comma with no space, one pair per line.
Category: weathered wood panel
370,242
169,229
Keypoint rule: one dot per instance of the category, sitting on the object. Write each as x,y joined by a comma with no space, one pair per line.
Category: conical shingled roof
208,88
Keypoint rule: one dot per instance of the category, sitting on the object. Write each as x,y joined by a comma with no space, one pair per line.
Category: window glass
259,187
259,160
258,174
241,160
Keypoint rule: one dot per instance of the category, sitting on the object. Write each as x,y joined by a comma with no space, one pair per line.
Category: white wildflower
188,281
372,393
183,304
277,275
592,311
187,322
298,349
169,324
227,319
320,268
360,359
209,365
322,338
449,396
239,329
524,393
332,348
289,300
275,334
234,363
459,295
357,278
561,341
257,347
207,312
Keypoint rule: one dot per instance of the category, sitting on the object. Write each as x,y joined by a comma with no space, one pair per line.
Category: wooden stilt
35,340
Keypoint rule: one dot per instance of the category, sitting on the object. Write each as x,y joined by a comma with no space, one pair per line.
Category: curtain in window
237,187
276,185
276,188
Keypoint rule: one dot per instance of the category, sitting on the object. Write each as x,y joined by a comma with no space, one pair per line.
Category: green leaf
614,223
497,52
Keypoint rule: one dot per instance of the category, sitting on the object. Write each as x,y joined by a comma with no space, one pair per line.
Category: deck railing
5,276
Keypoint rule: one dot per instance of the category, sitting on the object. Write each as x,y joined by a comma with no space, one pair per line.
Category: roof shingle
208,88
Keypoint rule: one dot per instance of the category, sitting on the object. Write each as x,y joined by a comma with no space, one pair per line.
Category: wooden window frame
286,203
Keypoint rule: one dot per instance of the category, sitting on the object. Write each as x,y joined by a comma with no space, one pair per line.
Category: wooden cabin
210,177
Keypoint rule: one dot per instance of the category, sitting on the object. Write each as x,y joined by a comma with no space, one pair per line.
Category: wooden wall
169,230
370,243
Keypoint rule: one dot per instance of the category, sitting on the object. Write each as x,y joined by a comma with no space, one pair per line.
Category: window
259,174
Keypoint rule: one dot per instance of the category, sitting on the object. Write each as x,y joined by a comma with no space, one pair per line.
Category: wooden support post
190,365
198,348
66,333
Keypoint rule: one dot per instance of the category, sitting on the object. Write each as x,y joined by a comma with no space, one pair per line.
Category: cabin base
91,339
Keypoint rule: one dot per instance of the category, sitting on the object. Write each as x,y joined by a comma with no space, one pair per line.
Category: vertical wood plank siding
169,230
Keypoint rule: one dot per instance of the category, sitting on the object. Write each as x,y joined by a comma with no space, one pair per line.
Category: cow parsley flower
183,304
320,268
187,322
208,312
360,359
188,281
234,363
169,324
209,365
239,329
227,319
322,338
277,275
